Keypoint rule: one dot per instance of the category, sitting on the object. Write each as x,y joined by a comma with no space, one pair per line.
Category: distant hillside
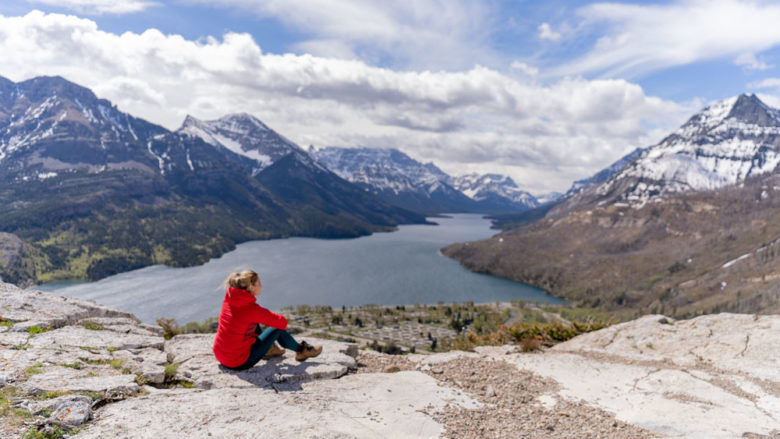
687,226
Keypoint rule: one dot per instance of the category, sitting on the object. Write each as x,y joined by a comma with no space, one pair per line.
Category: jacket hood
239,297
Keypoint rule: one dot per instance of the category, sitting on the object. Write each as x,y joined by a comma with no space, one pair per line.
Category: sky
546,92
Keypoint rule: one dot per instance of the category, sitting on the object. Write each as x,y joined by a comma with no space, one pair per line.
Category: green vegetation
33,370
37,330
441,327
47,432
92,326
50,394
170,371
171,328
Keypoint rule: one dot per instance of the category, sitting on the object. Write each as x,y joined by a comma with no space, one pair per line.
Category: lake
398,268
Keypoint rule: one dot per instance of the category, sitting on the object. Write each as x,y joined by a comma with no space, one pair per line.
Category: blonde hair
243,279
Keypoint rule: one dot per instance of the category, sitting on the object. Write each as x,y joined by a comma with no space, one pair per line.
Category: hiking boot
305,350
275,351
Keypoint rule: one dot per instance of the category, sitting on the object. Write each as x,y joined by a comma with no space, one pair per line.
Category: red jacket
237,322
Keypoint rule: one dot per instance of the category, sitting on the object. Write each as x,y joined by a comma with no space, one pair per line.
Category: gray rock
713,376
74,412
65,379
193,353
49,310
71,410
149,363
78,336
400,406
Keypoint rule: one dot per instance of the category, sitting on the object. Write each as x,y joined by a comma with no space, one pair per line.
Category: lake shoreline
403,267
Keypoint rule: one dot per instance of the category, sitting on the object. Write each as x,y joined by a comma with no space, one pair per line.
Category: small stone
392,369
437,371
489,391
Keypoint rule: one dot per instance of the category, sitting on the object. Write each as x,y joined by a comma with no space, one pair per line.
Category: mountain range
400,180
685,226
90,191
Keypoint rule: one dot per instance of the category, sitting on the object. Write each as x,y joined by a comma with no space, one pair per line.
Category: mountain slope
722,145
688,226
325,204
92,191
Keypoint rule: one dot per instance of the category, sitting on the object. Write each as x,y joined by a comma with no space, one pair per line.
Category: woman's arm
268,318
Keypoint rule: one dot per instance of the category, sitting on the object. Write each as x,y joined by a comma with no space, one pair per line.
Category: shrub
170,370
169,326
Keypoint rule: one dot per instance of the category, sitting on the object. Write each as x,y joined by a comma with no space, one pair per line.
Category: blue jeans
263,344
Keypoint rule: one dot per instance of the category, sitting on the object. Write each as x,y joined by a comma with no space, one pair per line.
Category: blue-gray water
403,267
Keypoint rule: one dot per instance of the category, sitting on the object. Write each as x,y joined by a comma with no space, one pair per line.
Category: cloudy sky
544,91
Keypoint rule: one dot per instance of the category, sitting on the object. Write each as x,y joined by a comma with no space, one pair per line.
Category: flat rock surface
78,336
709,377
193,353
65,379
48,310
355,406
739,343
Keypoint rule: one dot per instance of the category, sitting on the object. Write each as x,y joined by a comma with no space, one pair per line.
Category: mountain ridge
398,179
641,241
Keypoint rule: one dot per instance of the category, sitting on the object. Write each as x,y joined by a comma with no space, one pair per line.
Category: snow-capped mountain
382,169
724,144
246,136
494,189
423,187
396,178
49,126
604,174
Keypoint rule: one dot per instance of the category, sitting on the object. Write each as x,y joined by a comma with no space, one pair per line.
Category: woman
239,344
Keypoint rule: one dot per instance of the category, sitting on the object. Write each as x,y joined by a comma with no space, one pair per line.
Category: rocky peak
42,87
749,109
242,134
724,144
494,186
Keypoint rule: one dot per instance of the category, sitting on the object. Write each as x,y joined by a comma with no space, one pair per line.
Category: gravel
516,403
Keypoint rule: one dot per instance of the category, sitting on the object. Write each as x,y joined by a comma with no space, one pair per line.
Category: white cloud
99,7
766,83
640,39
422,34
524,68
543,136
749,61
546,33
